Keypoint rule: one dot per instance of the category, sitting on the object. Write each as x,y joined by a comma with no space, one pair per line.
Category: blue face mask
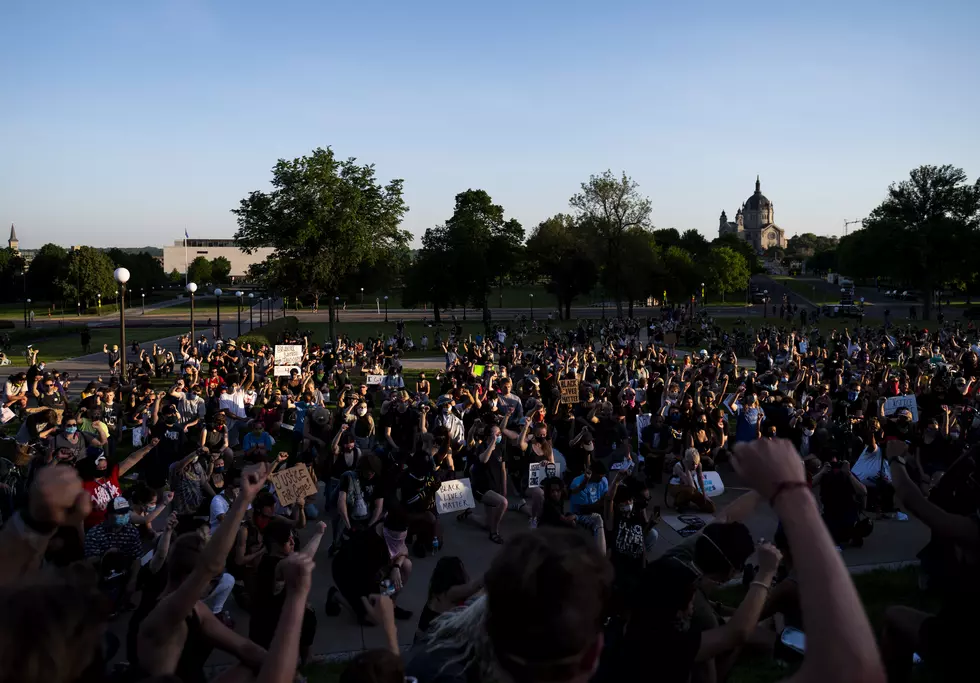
121,520
853,395
498,439
71,429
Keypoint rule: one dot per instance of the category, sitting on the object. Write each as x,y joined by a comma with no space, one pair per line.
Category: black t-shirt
53,400
171,446
672,651
402,428
489,475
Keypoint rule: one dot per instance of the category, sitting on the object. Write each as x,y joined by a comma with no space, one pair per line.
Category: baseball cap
320,416
120,505
95,453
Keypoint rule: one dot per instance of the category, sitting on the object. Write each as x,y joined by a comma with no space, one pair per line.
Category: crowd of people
152,501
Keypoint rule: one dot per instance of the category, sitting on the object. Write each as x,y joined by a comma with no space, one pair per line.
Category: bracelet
761,584
786,486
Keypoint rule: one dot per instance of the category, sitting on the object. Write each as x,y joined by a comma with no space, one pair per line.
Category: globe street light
99,297
122,277
702,294
336,308
362,297
217,296
26,305
251,307
531,297
143,301
386,308
191,288
239,294
261,308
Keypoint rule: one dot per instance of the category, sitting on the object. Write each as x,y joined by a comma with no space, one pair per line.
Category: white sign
374,380
713,485
288,356
455,495
895,402
539,471
642,422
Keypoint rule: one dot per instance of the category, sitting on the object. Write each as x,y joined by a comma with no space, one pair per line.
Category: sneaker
901,517
533,524
402,614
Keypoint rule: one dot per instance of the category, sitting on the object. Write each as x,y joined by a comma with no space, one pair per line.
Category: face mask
807,432
498,439
954,435
71,429
121,520
362,411
193,395
349,447
626,509
853,395
445,410
151,508
219,470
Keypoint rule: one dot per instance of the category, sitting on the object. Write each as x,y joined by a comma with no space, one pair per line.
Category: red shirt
102,490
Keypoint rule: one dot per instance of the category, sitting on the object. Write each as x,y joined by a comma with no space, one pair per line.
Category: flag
186,236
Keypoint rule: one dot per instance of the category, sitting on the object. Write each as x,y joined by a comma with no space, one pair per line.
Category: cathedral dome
757,200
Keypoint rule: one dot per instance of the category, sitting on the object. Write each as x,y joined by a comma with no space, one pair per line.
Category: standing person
113,357
86,338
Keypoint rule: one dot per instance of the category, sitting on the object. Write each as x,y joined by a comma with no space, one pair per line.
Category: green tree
199,271
175,277
924,233
558,251
694,243
88,275
12,278
684,278
667,237
640,258
46,273
145,270
324,218
611,206
726,271
220,270
744,248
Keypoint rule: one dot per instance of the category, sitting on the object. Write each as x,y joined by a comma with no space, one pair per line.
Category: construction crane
847,222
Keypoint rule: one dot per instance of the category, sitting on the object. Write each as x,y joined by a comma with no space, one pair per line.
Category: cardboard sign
478,370
670,338
539,471
688,524
139,433
895,402
374,380
288,356
455,495
713,485
569,391
293,485
642,422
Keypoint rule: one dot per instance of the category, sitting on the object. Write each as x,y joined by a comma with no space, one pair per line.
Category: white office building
177,258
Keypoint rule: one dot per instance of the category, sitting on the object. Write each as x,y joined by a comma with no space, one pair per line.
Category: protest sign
670,338
454,495
713,485
293,485
288,356
478,370
895,402
569,390
374,380
539,471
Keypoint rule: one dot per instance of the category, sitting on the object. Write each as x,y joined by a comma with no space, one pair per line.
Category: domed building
754,222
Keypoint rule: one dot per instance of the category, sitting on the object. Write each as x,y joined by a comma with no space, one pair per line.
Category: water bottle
435,544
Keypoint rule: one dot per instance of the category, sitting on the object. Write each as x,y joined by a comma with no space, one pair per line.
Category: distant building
754,222
14,244
174,256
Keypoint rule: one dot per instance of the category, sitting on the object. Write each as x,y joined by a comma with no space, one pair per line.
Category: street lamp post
191,288
26,300
27,303
386,308
122,277
261,311
143,301
239,295
217,296
531,297
251,305
336,308
99,297
703,302
362,297
765,302
78,308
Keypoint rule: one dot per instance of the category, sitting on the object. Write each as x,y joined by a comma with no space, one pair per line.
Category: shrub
269,334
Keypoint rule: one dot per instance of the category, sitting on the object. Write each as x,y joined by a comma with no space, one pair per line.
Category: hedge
269,334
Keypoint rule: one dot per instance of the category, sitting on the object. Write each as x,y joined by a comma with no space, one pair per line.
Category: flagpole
186,269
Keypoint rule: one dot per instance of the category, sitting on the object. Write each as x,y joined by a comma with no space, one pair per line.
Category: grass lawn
878,590
69,346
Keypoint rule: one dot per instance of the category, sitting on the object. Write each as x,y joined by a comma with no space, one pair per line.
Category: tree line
920,238
334,226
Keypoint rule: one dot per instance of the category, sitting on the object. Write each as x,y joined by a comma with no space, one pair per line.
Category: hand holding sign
293,485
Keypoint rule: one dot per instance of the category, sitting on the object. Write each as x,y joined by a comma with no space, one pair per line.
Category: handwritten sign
539,471
293,485
288,356
455,495
478,370
374,380
569,390
713,485
893,404
670,338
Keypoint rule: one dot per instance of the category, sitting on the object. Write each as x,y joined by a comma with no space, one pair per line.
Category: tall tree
726,271
744,248
88,275
220,270
12,278
146,272
46,272
558,251
199,271
684,276
924,233
667,237
695,243
324,218
612,205
640,260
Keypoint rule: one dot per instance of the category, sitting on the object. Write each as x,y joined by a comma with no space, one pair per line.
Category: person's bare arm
159,625
458,594
956,528
841,646
280,662
226,640
134,457
159,558
311,545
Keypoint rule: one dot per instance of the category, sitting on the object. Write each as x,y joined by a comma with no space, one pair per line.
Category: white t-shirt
219,506
234,403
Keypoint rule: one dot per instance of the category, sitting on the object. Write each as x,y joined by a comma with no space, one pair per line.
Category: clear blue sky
122,122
